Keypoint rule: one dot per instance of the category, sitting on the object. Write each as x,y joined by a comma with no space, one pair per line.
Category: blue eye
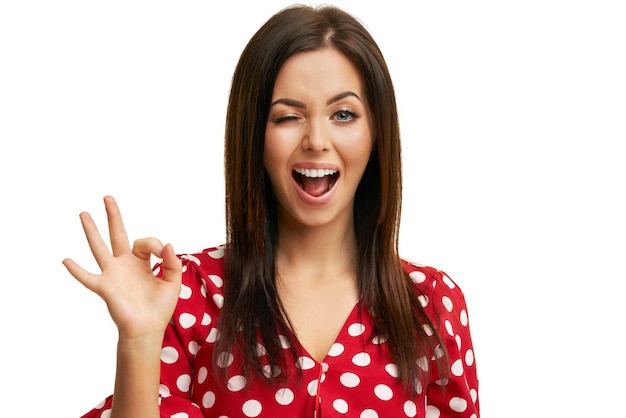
345,115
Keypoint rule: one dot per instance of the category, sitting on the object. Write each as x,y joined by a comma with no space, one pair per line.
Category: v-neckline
347,322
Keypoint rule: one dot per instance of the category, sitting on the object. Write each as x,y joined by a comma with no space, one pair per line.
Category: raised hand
139,303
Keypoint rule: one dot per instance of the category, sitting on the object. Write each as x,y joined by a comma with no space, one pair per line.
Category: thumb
172,266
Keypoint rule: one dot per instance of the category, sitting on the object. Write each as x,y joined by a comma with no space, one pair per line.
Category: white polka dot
185,292
428,330
236,383
191,257
355,330
312,387
164,391
169,355
284,396
439,352
368,413
252,408
284,342
260,350
383,392
225,359
336,350
422,362
213,336
447,303
193,348
449,329
206,319
340,406
216,253
180,415
183,382
379,339
417,276
458,404
463,317
448,281
432,412
410,409
217,280
271,371
219,300
203,372
208,400
418,387
423,300
457,338
392,369
474,395
349,380
361,359
186,320
305,363
457,368
106,414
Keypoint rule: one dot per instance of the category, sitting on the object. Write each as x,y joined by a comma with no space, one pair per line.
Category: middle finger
117,232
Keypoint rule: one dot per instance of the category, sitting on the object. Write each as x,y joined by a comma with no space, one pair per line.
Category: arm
457,397
140,304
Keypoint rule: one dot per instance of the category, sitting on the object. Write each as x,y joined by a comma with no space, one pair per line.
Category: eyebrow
298,104
343,95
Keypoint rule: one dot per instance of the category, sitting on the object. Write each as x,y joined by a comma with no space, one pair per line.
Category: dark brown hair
251,302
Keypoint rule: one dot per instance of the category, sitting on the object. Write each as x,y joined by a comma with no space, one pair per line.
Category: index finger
117,232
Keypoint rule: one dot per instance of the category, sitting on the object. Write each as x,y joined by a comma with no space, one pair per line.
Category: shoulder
202,278
436,289
205,270
205,262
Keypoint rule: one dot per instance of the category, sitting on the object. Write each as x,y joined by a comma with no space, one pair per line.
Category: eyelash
350,115
286,118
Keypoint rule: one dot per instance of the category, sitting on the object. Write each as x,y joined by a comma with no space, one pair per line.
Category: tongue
315,186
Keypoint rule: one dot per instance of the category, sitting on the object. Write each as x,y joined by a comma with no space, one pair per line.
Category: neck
318,250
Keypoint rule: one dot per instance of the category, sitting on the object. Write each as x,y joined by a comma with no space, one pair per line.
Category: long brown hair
251,304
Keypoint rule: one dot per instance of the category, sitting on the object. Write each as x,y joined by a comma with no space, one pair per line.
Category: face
318,138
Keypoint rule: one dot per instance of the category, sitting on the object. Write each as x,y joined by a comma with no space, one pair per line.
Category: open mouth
315,182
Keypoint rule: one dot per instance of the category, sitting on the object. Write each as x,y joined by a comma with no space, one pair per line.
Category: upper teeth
313,173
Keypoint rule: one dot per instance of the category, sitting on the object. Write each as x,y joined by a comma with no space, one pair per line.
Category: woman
307,311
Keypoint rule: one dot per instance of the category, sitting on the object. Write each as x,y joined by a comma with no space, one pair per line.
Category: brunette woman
307,310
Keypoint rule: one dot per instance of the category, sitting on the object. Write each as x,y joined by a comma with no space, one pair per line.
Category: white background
513,117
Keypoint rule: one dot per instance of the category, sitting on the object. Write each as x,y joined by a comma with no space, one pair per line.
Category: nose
315,138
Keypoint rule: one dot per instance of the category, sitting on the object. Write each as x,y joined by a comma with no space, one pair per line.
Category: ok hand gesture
140,304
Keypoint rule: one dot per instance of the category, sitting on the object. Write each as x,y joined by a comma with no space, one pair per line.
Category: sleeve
180,343
454,396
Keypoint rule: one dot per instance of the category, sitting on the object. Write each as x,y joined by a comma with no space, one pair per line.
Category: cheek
356,147
274,157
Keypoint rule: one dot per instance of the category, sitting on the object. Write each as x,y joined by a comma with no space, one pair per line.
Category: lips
315,181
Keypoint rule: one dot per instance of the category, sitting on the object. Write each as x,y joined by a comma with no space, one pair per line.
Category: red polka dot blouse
356,379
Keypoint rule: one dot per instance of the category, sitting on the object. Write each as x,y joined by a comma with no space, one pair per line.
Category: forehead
317,73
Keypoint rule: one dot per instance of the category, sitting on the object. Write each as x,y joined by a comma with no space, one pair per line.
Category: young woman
307,310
